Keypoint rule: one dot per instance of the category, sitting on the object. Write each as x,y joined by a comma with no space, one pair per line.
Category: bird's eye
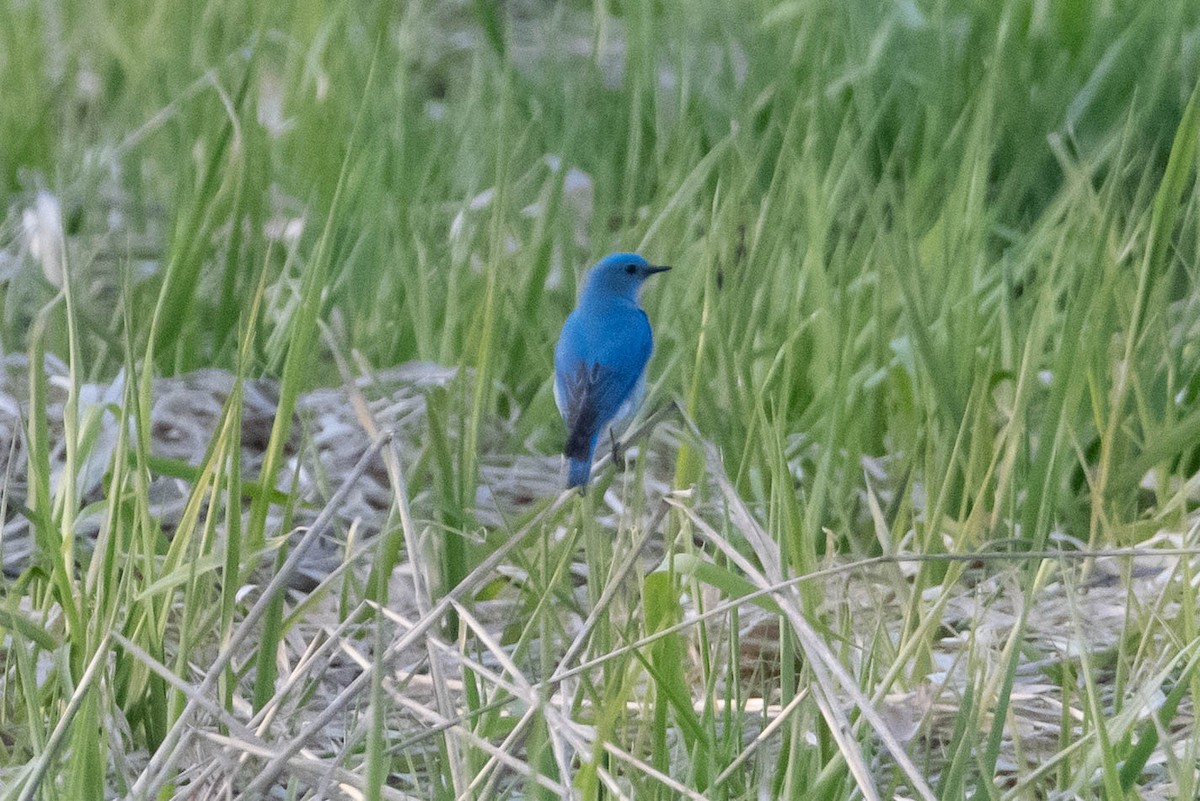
631,269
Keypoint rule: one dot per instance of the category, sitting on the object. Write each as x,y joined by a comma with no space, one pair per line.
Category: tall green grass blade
665,663
190,248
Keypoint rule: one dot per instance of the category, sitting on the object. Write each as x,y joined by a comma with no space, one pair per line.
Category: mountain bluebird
600,359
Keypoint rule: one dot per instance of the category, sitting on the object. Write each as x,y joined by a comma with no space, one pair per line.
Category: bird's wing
593,394
597,367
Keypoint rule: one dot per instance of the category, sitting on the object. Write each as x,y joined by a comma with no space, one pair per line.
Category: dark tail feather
579,457
579,471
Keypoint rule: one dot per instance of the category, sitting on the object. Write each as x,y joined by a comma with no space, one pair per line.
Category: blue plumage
600,359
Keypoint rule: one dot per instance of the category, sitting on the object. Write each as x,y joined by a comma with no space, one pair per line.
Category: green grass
935,294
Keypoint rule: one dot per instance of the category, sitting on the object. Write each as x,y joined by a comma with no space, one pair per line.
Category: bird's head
620,275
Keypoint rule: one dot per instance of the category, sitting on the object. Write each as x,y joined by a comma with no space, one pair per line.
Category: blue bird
600,359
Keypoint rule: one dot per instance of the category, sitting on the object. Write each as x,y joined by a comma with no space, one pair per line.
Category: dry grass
309,735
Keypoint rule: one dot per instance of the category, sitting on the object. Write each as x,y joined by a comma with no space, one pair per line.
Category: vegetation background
934,321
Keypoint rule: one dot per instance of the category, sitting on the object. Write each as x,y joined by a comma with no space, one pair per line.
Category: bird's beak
652,269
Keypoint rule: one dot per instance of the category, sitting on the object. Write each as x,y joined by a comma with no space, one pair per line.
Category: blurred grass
958,240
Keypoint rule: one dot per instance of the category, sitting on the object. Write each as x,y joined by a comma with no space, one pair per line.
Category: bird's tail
579,472
580,445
